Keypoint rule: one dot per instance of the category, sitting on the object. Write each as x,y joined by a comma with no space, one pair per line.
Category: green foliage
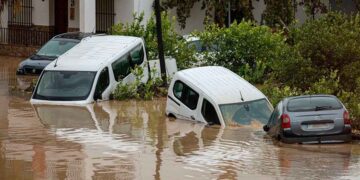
313,7
279,13
139,90
276,93
215,10
327,44
246,48
174,45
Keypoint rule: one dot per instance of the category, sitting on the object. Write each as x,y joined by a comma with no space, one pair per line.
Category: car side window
209,113
137,55
121,67
102,83
186,95
274,115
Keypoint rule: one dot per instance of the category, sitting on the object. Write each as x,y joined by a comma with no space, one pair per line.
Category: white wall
144,6
76,22
194,22
123,11
41,13
259,7
4,17
87,15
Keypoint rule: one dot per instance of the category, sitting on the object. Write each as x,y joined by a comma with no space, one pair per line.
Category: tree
215,10
279,12
314,7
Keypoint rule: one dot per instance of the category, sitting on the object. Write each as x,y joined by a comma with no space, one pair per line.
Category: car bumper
345,136
29,70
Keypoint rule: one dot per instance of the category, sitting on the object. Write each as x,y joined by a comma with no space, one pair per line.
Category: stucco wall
41,12
144,6
123,11
75,22
4,17
195,22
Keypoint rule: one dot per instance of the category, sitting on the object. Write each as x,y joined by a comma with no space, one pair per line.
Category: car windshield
198,45
245,113
56,47
64,85
313,103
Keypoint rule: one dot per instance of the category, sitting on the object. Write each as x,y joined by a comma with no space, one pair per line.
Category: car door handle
192,117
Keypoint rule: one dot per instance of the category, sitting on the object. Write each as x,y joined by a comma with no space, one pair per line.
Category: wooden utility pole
160,42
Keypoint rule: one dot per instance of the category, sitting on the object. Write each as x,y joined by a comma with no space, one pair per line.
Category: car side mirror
266,128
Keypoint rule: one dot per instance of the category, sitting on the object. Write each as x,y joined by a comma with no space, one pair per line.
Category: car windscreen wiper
319,108
42,57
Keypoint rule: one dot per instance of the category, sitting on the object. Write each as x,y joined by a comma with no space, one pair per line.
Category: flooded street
135,140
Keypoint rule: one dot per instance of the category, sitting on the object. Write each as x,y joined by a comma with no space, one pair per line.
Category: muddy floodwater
135,140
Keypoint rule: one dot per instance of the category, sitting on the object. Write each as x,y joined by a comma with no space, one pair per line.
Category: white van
91,70
216,95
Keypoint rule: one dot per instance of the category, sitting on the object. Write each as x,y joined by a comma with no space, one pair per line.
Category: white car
216,95
91,70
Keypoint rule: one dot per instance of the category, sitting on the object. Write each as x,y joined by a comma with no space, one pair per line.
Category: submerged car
91,70
216,96
55,47
310,119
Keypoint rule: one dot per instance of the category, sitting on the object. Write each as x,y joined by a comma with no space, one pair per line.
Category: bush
174,45
245,48
139,90
327,44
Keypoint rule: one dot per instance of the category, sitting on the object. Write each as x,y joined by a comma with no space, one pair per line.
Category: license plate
318,126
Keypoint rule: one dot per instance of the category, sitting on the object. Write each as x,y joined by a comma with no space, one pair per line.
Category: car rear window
313,104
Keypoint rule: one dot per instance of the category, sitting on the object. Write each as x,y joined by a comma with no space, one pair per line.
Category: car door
274,121
102,90
187,100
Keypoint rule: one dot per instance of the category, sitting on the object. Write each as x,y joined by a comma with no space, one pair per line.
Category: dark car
310,119
55,47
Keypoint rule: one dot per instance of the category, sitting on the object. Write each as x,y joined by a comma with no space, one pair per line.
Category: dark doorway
61,16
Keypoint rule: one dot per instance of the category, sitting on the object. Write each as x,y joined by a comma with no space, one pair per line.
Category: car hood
34,63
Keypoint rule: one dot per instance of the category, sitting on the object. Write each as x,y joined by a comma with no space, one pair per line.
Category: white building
60,16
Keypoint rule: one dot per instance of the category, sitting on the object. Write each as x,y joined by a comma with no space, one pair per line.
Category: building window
20,13
104,15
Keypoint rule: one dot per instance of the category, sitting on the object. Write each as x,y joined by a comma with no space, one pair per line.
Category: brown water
134,140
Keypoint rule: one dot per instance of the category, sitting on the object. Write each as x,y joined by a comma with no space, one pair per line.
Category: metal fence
20,12
27,37
104,15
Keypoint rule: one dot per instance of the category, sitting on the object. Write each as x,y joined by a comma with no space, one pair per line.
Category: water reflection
134,140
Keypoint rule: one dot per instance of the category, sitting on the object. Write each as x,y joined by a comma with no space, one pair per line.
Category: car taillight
347,118
285,121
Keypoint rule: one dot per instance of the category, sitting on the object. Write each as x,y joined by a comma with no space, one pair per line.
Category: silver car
55,47
310,119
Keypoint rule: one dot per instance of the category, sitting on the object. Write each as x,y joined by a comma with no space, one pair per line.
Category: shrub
327,44
174,45
245,48
139,90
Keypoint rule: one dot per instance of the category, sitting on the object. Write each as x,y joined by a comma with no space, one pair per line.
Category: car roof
94,53
190,38
309,96
220,84
287,99
73,35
